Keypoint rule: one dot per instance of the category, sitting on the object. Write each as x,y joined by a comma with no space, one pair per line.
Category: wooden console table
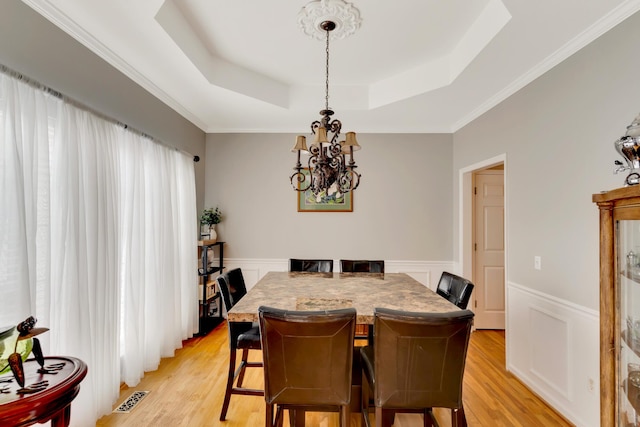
52,403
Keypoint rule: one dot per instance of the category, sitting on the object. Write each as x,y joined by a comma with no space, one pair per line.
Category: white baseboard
553,347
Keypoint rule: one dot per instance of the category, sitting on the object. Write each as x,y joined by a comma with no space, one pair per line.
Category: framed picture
326,201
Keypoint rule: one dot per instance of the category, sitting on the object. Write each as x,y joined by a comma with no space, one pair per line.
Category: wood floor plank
187,391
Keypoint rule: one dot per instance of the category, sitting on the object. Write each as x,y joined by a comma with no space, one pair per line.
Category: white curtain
98,228
24,199
159,200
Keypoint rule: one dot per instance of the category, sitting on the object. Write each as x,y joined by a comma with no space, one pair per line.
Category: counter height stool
416,363
308,362
361,266
242,335
454,288
311,265
363,332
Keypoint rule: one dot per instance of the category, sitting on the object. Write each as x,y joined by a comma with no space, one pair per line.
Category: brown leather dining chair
243,336
363,332
307,359
311,265
361,266
416,363
454,288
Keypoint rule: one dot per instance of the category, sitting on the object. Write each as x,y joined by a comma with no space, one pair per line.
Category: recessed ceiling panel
258,49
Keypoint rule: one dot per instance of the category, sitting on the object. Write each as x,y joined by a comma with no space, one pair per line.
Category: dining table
313,291
308,291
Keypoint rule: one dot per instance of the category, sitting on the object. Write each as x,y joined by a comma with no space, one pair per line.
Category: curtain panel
97,240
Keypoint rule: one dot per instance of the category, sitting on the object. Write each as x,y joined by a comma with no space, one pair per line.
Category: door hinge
475,246
475,190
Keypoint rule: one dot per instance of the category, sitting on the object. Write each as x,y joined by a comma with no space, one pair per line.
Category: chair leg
268,415
458,418
388,417
279,416
364,402
230,378
379,418
429,418
345,415
297,417
243,365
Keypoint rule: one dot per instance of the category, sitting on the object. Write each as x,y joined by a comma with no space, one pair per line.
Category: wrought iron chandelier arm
297,179
349,181
335,126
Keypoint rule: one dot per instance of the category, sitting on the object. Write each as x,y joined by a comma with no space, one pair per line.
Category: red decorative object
51,403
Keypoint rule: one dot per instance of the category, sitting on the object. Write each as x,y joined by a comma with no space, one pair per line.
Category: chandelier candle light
329,171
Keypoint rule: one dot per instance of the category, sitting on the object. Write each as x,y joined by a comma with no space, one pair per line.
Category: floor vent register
131,402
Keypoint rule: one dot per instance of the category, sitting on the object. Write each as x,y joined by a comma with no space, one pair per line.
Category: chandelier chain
326,96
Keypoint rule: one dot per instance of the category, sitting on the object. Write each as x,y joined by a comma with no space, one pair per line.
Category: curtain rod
36,84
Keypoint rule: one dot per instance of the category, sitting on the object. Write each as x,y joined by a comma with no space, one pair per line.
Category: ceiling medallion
345,16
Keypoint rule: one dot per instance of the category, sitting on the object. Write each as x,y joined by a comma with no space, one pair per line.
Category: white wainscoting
426,272
553,347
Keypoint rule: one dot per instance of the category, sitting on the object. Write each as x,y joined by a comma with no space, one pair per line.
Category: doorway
488,248
482,239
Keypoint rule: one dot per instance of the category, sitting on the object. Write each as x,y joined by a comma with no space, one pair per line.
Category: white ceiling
412,66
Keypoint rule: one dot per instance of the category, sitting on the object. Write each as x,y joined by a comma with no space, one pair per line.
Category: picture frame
308,202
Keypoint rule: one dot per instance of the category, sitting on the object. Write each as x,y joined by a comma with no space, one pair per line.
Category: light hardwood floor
187,390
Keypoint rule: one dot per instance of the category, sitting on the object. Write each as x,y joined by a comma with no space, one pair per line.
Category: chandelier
327,171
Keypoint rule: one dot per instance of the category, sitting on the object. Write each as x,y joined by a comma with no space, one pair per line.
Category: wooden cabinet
619,306
210,265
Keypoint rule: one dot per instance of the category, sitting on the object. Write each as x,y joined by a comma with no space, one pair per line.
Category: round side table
53,403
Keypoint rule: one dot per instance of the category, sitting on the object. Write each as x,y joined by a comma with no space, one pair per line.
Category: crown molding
73,29
592,33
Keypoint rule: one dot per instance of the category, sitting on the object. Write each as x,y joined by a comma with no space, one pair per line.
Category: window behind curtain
97,239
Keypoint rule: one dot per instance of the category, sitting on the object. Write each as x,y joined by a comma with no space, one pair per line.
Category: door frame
465,225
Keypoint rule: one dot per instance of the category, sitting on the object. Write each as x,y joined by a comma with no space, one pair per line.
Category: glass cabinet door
628,251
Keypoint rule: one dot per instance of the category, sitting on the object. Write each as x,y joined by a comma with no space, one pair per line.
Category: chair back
361,266
307,356
312,265
419,358
237,288
454,288
230,296
223,286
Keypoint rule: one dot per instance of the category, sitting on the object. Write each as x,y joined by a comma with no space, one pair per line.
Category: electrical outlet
591,385
537,262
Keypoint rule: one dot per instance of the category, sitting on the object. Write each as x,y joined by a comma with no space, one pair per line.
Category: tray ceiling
412,66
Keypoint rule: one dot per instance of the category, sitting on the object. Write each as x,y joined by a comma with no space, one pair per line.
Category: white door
488,265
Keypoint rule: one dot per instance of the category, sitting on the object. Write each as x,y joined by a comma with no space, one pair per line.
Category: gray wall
558,135
31,45
402,209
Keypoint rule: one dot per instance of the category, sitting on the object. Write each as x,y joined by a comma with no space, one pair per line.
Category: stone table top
325,291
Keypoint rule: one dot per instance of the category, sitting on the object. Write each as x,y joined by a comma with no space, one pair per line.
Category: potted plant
210,217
